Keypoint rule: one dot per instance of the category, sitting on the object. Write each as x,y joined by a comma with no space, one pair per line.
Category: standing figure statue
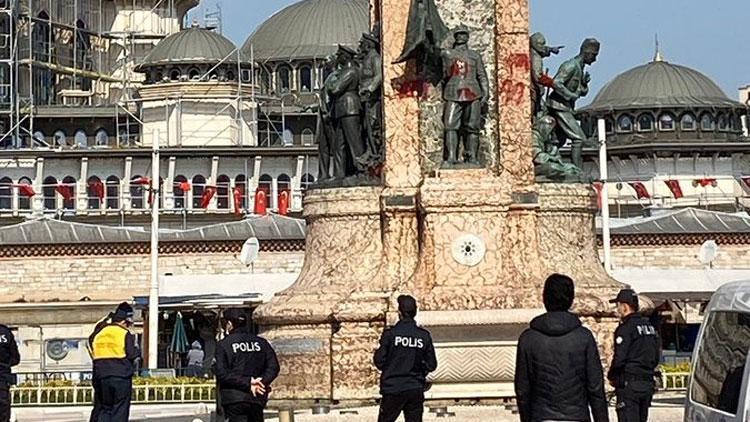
349,156
540,81
370,91
570,84
326,132
465,93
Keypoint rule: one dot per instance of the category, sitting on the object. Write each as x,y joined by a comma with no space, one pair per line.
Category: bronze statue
326,132
540,81
425,32
547,161
349,156
370,91
465,93
570,84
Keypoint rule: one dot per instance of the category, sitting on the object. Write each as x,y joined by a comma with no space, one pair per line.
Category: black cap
346,51
237,316
124,312
628,296
407,306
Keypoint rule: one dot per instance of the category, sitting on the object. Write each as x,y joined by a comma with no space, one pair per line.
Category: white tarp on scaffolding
222,289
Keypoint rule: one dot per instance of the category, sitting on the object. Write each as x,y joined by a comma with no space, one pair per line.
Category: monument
472,243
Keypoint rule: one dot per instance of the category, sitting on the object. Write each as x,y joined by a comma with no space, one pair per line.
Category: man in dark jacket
246,365
405,357
9,357
558,371
114,353
637,354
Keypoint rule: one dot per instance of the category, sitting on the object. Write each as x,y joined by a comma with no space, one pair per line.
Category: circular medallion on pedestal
468,249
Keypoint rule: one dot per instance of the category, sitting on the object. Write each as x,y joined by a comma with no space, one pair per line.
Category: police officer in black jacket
637,354
405,357
9,357
246,365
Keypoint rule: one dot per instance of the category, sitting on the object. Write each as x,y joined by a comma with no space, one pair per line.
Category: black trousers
634,401
97,400
4,404
243,412
115,399
410,402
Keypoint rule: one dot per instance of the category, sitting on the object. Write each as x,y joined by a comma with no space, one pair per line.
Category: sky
709,36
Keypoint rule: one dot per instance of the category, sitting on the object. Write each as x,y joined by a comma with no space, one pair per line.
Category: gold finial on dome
657,55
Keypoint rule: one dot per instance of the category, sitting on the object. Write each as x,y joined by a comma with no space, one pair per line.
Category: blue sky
710,36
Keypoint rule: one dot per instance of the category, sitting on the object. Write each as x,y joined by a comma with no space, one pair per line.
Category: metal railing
675,381
83,394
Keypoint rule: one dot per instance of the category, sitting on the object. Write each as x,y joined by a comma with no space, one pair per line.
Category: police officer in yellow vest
114,353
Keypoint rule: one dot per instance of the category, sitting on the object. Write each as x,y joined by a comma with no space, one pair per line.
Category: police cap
628,296
236,315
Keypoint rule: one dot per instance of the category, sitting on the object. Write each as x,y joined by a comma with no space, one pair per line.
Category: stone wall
684,257
120,277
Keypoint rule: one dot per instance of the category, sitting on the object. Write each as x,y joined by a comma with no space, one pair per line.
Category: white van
718,390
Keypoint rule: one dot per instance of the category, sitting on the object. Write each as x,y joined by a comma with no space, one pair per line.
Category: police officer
405,357
246,365
637,354
9,357
114,353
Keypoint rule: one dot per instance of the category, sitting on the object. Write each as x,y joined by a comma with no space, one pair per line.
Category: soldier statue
547,160
370,91
466,92
326,132
570,84
349,156
540,81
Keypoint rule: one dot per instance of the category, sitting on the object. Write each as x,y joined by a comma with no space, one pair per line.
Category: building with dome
674,139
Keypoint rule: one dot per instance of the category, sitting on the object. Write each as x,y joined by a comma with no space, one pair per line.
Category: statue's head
538,42
590,50
461,34
345,55
368,42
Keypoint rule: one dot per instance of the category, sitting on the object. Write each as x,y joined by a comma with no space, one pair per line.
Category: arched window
49,192
95,192
113,192
283,79
229,75
264,78
645,122
264,184
625,124
102,138
60,138
6,193
723,123
305,79
707,122
194,74
180,190
687,123
137,192
24,202
80,139
666,122
39,138
308,137
174,75
69,184
222,192
609,127
240,183
199,186
307,181
288,138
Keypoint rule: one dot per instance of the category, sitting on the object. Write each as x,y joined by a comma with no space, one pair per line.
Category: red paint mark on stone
410,87
459,68
520,62
547,81
467,94
512,93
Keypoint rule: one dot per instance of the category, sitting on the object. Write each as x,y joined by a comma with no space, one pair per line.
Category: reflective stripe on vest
110,343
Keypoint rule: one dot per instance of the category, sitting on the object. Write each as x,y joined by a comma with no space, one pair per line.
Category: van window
720,364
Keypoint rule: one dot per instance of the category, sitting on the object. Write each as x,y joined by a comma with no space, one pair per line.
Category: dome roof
660,84
192,45
309,29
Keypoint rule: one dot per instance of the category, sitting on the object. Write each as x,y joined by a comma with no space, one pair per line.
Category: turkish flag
284,202
705,182
640,190
674,186
237,193
26,190
97,188
598,188
208,194
184,186
745,183
142,181
65,190
260,202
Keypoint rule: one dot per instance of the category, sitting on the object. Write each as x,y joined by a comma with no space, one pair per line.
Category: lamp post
153,297
604,175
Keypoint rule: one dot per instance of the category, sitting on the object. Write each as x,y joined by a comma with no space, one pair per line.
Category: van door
720,369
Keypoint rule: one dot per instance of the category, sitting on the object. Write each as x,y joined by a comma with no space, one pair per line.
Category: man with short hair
637,354
558,372
114,353
246,365
9,357
406,356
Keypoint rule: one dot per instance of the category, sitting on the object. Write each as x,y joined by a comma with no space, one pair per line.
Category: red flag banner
208,194
184,186
705,182
640,190
674,186
26,190
745,183
260,202
142,181
237,193
598,188
97,189
65,190
284,203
